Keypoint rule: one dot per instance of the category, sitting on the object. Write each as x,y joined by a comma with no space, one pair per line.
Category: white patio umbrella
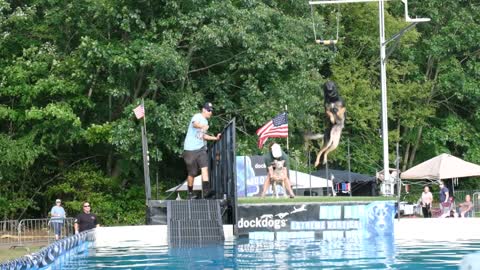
442,167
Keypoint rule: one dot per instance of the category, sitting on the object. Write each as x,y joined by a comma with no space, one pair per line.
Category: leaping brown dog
335,112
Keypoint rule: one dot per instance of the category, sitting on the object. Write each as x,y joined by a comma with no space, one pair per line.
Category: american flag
139,111
275,128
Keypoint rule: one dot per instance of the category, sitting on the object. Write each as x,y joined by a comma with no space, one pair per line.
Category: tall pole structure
383,82
146,159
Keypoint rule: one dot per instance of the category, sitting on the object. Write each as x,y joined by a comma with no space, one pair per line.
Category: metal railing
31,231
8,232
222,170
62,250
474,194
476,204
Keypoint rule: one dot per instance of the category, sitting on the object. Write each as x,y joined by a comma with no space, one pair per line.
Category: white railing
31,231
8,232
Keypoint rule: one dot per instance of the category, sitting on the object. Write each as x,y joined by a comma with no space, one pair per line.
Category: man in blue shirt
57,217
195,148
443,198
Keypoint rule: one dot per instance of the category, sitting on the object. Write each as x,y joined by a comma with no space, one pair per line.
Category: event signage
251,174
317,220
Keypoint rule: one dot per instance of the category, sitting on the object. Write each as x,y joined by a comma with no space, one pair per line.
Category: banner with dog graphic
349,220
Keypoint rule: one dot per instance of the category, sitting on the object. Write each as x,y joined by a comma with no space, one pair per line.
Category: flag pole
146,160
288,149
144,118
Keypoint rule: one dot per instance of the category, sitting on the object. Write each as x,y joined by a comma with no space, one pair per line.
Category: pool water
249,254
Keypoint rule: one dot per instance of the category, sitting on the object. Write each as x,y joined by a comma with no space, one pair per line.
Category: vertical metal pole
296,177
310,174
310,185
288,149
245,175
146,169
349,167
383,77
397,167
146,174
326,177
156,178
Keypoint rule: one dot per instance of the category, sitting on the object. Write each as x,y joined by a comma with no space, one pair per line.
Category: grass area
7,253
304,199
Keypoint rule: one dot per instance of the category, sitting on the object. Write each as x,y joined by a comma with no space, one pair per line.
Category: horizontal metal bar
339,2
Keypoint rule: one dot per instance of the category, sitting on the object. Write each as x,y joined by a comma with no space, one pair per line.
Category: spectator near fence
466,207
85,220
445,204
426,200
57,218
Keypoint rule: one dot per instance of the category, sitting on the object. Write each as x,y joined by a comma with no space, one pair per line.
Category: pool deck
434,229
437,229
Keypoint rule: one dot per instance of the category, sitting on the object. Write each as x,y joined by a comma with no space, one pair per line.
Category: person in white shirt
426,199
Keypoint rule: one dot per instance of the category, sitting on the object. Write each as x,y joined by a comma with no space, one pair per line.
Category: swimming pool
248,254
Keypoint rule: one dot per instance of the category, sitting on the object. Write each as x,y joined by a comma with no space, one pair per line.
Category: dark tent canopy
361,184
342,176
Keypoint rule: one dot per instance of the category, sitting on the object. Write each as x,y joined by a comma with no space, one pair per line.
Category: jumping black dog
335,112
334,104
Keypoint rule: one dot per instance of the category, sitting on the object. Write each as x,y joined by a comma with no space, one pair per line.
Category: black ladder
194,222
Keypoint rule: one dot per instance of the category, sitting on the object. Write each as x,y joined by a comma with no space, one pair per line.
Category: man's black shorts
195,160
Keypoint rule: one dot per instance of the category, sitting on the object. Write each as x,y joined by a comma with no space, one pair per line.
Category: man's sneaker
191,195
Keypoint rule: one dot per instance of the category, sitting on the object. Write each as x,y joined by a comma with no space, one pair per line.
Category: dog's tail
308,136
311,136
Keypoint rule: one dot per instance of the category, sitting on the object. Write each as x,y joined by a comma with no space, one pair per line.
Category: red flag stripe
266,126
275,128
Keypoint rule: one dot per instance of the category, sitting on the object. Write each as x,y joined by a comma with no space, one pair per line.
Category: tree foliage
71,73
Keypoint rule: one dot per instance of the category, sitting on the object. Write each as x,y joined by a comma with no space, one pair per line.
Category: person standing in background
443,199
57,218
465,207
85,220
427,199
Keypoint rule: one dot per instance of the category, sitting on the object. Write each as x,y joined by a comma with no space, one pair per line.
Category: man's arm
197,124
270,170
211,138
75,225
285,172
446,196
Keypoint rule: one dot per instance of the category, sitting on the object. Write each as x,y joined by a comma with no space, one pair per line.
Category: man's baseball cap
208,106
58,200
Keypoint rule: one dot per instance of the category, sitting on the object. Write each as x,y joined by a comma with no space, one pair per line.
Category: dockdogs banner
324,221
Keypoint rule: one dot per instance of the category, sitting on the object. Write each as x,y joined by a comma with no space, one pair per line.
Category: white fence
31,231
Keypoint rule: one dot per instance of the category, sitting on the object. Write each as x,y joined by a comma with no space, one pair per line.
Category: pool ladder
194,222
